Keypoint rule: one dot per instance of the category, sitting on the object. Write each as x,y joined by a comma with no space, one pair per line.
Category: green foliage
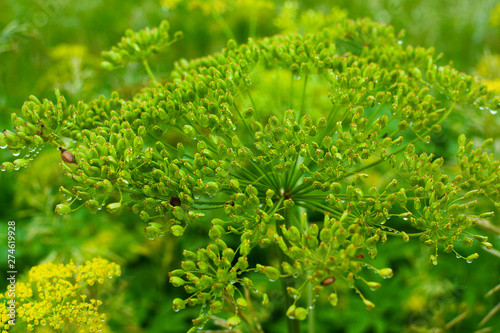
308,153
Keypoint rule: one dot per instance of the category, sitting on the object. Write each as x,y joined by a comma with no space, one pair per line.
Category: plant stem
310,314
148,70
288,281
303,97
252,29
224,26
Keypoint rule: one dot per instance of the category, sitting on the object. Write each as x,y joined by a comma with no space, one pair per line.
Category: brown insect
175,201
66,156
328,281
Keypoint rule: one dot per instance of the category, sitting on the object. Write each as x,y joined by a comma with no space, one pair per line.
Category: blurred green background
57,44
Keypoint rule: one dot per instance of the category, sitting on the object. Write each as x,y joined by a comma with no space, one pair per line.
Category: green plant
279,144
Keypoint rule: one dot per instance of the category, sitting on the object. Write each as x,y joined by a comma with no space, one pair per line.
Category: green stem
310,314
252,29
148,70
288,281
225,28
303,97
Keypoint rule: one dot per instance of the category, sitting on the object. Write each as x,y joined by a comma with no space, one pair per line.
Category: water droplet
400,42
16,152
3,147
493,111
296,77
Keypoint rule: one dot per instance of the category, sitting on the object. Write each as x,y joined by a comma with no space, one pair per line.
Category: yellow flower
495,16
49,297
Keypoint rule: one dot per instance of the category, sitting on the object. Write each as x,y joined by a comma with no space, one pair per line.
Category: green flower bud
392,185
385,273
138,144
300,313
177,230
63,209
373,285
336,188
369,305
114,207
211,188
177,281
216,231
233,321
333,299
93,206
470,258
242,303
179,304
461,140
152,232
270,272
144,216
7,166
20,163
487,143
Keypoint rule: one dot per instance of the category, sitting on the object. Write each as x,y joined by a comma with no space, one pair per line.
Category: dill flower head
61,297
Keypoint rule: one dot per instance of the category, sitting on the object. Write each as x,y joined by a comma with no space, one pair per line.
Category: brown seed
67,157
175,201
328,281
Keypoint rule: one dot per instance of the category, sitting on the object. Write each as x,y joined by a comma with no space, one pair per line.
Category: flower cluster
138,46
275,141
60,296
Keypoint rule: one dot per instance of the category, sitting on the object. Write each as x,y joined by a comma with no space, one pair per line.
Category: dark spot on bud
175,201
145,230
328,281
369,136
67,156
384,136
230,203
360,256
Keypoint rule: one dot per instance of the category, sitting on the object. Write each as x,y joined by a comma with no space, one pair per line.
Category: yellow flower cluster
489,69
291,19
57,295
495,16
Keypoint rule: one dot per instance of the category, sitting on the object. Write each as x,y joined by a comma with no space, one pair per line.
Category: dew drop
296,77
493,111
3,147
16,152
400,42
